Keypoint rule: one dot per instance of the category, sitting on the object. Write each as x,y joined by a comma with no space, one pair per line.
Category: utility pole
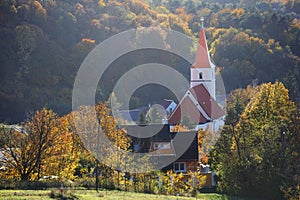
283,133
97,156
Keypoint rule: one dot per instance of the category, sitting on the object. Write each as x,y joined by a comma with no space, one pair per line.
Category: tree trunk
25,177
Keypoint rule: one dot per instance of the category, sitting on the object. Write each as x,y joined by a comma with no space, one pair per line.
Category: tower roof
202,59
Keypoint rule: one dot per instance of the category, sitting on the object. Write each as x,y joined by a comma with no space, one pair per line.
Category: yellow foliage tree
42,147
102,139
180,128
65,156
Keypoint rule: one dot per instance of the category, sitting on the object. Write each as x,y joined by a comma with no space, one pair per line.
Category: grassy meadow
92,194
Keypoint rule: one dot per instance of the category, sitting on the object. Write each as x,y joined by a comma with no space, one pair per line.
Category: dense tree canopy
44,42
257,152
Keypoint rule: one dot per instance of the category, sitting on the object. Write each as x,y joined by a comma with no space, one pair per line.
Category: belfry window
200,75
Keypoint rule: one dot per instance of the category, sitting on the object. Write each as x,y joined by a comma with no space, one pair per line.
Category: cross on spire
202,22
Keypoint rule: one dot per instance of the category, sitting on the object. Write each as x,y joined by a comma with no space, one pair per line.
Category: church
198,104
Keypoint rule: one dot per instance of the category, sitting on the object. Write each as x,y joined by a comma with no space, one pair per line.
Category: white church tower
199,102
203,70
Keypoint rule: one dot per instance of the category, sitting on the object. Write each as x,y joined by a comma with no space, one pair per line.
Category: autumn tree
253,154
237,102
101,137
243,56
206,141
24,152
291,176
180,128
63,158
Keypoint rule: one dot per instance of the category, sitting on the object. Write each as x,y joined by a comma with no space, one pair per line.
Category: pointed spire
202,59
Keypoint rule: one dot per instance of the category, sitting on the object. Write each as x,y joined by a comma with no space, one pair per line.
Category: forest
43,44
255,44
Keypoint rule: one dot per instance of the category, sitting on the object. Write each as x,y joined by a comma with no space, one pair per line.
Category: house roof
210,106
165,103
133,115
180,142
153,132
130,115
192,152
202,58
199,105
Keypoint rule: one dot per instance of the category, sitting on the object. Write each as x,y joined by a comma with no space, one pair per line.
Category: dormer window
161,145
200,75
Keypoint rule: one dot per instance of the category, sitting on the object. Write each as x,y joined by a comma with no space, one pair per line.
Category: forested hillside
44,42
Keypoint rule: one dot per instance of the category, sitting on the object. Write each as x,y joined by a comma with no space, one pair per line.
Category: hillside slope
44,42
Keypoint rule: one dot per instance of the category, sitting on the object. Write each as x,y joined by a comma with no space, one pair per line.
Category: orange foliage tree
43,147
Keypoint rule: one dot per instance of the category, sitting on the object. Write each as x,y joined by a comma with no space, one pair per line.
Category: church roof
207,102
188,108
197,104
202,58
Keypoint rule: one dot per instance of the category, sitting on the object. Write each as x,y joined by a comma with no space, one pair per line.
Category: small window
200,75
161,145
179,167
136,147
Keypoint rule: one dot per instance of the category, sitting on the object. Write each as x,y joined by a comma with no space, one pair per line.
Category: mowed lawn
105,195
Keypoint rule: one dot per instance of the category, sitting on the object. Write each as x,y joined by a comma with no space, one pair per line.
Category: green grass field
91,194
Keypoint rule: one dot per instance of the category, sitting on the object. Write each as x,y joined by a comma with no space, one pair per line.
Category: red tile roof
202,59
198,105
186,107
210,106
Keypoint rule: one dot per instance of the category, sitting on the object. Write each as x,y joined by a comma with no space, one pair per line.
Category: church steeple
203,70
202,59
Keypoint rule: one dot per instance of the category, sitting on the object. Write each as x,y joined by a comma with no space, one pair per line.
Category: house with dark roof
166,144
179,150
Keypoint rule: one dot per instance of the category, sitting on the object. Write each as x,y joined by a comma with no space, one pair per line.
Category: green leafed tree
26,38
253,157
156,114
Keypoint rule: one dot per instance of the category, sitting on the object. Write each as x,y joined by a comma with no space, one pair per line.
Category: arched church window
200,75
